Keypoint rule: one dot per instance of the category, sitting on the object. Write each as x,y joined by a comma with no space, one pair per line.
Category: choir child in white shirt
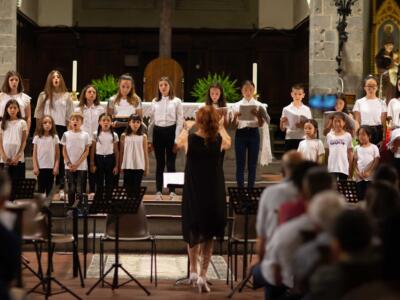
91,109
312,147
46,154
76,143
125,103
13,88
340,150
13,135
134,155
105,155
366,160
166,123
56,101
294,128
393,109
247,137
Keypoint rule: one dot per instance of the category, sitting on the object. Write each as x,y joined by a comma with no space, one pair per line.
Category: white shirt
270,201
243,102
365,156
105,142
338,145
123,109
294,132
60,107
311,149
282,247
393,111
90,117
133,153
23,100
12,138
370,110
167,112
46,150
75,143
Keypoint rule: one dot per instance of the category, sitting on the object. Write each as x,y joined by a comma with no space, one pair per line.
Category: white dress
133,153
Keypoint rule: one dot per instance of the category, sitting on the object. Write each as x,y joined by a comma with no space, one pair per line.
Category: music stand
348,188
244,202
117,202
48,279
23,188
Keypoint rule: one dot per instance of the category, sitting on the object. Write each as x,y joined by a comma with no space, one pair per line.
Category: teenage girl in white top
166,123
104,154
371,111
91,109
393,111
13,89
56,101
125,103
46,156
13,135
134,154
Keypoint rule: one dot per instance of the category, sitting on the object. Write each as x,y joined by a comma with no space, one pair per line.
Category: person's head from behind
324,208
338,122
311,129
297,92
299,171
215,95
382,199
352,234
135,125
364,134
207,120
5,188
290,160
388,173
391,247
316,180
341,103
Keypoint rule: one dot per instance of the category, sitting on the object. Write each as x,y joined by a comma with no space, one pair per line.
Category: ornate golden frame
388,10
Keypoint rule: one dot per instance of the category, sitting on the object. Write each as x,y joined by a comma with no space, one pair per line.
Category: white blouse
105,142
370,110
134,158
90,117
12,138
23,100
123,109
61,110
45,148
394,111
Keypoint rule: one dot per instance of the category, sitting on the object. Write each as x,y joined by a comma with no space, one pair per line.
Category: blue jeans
246,140
271,292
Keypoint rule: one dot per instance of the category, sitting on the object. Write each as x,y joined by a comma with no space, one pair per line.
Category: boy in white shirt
76,144
293,118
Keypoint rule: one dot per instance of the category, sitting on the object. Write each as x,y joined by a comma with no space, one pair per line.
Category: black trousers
76,184
163,142
91,177
45,180
340,176
60,178
292,144
105,178
133,180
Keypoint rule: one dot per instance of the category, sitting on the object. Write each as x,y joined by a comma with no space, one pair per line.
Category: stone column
324,48
8,37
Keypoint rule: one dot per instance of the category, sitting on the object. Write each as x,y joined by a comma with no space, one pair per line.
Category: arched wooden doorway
158,68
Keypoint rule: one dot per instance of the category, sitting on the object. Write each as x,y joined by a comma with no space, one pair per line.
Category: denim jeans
247,141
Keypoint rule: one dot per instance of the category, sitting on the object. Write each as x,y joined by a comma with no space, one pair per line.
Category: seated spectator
313,181
385,172
353,262
274,273
272,197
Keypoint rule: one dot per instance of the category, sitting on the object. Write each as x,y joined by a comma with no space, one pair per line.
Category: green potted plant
200,88
106,86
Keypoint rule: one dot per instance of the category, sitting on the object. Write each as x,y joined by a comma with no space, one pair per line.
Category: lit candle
74,74
255,77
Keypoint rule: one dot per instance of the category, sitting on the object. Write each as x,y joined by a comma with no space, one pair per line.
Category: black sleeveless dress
203,201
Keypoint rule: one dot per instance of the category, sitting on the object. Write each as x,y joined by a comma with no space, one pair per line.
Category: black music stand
348,188
23,188
48,279
244,202
117,202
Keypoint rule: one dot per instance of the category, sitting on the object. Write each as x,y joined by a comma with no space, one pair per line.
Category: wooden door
158,68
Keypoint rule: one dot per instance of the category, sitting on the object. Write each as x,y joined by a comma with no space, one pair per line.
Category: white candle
74,74
255,77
